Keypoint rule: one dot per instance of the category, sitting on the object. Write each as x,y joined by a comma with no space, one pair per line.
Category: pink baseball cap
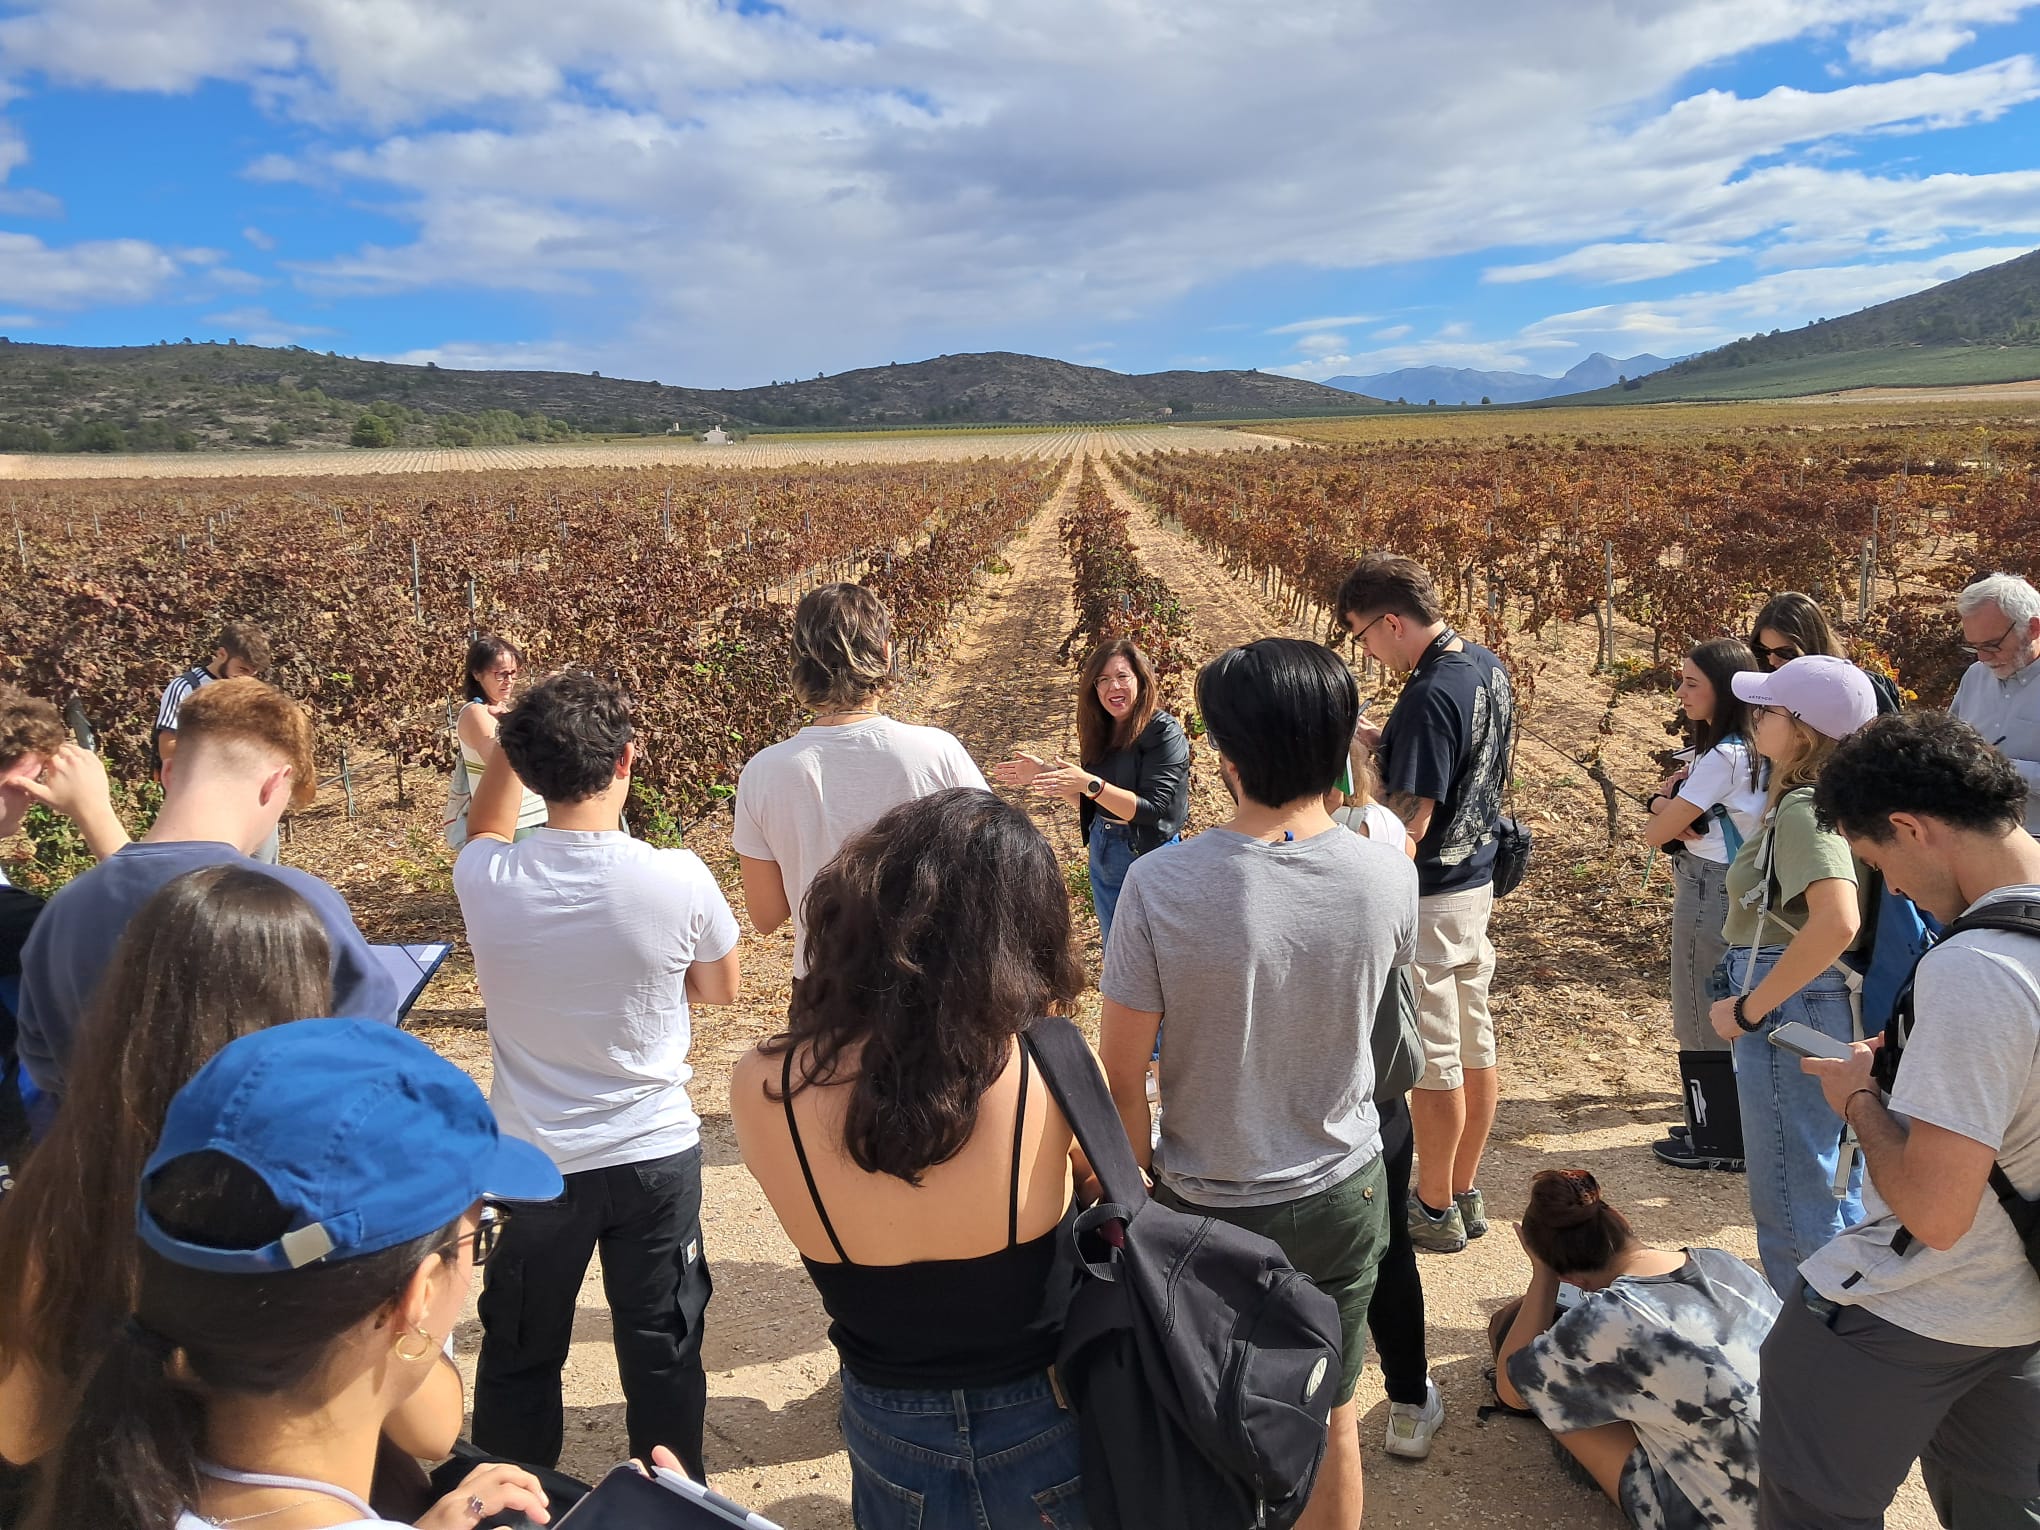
1830,695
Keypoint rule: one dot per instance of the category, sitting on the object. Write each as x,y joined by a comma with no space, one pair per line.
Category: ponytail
1569,1227
129,1461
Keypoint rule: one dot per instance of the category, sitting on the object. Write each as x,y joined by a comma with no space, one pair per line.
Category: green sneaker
1441,1235
1472,1208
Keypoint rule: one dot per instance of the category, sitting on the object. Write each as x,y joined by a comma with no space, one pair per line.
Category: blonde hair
840,635
1802,767
252,713
1366,773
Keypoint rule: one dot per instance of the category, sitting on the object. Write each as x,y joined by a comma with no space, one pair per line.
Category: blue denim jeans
1111,853
992,1458
1791,1139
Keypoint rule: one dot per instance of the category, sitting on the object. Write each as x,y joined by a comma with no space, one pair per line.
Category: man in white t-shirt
589,947
800,799
1916,1333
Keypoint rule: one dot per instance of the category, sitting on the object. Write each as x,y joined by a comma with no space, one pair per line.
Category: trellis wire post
21,546
1868,573
473,625
1608,578
346,781
417,596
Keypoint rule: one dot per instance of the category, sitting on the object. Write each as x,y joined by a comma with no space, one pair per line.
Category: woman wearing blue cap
311,1221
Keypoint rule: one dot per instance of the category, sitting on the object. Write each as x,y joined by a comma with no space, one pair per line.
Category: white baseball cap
1830,695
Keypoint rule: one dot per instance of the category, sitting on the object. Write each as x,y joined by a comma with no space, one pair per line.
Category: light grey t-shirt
1266,963
1971,1065
2007,714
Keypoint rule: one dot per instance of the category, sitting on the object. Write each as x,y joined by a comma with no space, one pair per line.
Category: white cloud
1783,300
1615,263
1305,326
256,237
1928,32
1321,344
1393,332
489,356
258,326
86,275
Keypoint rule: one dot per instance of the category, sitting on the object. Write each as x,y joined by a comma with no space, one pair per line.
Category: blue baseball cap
368,1136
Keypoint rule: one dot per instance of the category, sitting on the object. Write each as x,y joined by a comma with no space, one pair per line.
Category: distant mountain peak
1463,385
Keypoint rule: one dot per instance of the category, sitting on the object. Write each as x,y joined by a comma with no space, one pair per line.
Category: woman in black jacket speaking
1131,787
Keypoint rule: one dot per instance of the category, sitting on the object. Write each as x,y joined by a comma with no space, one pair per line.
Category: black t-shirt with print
1448,739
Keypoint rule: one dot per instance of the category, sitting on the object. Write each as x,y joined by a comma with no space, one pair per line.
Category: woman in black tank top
918,1162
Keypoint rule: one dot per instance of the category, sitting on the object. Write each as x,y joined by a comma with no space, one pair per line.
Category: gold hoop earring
422,1354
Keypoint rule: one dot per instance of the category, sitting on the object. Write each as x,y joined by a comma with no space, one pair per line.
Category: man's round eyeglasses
1994,645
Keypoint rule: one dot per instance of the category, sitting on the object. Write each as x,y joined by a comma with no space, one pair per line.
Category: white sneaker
1410,1427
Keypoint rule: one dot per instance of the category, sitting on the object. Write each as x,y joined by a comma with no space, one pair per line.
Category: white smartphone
1805,1041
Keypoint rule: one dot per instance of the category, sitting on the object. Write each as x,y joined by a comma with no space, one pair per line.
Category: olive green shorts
1336,1237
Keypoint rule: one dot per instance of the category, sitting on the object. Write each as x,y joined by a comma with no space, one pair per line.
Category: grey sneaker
1472,1208
1410,1428
1441,1235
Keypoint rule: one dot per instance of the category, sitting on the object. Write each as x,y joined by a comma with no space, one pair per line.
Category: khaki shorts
1336,1237
1454,965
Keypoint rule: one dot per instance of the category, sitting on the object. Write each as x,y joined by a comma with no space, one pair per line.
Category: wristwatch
1094,786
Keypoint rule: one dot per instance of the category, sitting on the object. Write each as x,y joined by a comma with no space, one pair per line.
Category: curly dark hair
565,736
1927,763
933,939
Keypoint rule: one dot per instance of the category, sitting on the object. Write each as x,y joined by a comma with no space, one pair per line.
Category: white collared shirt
2007,714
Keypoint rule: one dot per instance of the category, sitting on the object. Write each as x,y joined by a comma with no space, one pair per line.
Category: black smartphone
627,1499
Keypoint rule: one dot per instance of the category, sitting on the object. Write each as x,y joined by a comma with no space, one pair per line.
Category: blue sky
724,195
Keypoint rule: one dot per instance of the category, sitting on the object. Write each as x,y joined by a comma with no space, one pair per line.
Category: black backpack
1200,1364
2018,916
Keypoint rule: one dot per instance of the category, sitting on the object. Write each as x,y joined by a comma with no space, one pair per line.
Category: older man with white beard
2000,694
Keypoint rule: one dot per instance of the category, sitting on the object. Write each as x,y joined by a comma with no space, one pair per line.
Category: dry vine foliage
1114,594
1696,532
677,584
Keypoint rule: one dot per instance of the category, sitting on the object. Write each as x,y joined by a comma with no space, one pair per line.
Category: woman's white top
530,812
1374,821
1721,777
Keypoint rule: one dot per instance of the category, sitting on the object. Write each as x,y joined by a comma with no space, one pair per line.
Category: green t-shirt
1804,853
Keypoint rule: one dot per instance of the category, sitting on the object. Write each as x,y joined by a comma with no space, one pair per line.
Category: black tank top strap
800,1152
1019,1130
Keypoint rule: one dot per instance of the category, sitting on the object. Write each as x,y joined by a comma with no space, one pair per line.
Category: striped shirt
177,692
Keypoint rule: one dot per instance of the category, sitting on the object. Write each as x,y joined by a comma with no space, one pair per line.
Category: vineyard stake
21,546
1608,572
417,600
473,628
346,781
1869,572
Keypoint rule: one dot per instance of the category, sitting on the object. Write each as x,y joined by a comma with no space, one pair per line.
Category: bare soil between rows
1589,1078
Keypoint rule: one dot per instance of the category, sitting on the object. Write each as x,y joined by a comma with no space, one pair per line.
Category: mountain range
1461,385
188,397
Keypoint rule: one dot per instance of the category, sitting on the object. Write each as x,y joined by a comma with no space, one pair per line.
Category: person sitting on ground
310,1221
246,755
1264,946
39,766
1650,1382
242,653
1707,811
1791,625
1795,908
1131,783
1997,697
921,1166
1444,755
801,798
493,665
1916,1332
591,948
216,954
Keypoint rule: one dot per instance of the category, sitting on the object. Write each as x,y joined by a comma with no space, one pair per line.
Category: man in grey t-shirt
1917,1332
1258,951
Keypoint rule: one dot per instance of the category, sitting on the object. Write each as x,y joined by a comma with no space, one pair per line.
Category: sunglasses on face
1784,655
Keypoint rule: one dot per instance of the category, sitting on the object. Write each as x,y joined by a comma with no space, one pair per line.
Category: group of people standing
313,1196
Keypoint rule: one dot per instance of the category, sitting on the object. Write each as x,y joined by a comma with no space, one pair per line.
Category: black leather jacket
1156,769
